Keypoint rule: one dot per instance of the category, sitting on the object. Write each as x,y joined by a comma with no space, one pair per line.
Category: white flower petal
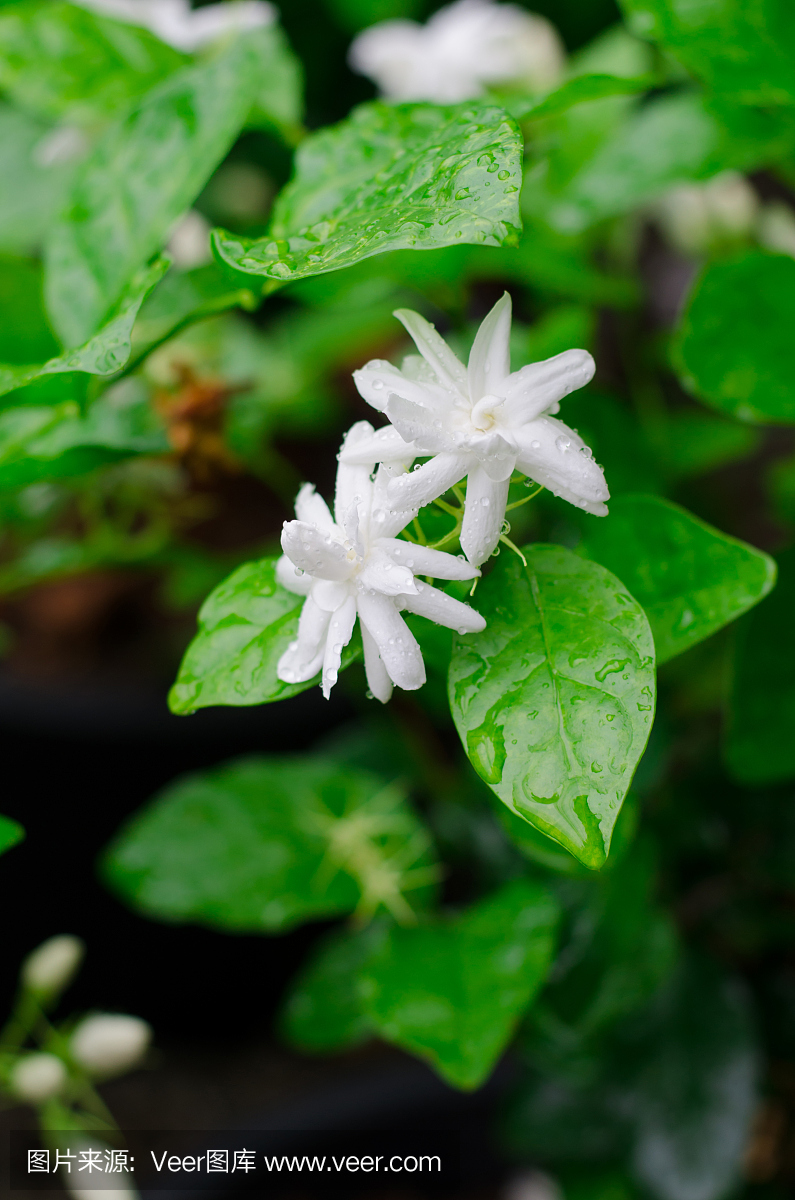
434,349
429,481
558,458
312,508
329,594
490,356
424,561
378,679
339,634
437,606
417,426
387,517
379,380
353,480
384,446
381,574
539,386
396,643
484,514
292,578
303,658
315,552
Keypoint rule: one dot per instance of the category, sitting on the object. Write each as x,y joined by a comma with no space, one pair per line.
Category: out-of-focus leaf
267,843
578,90
556,330
699,442
759,743
690,578
325,1009
245,626
414,176
11,834
25,336
104,354
733,343
33,187
61,61
609,426
143,174
745,48
358,14
452,990
554,700
279,101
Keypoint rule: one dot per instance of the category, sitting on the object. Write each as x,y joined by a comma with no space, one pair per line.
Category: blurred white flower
189,244
776,228
352,564
464,48
697,216
53,965
479,421
179,25
37,1077
64,144
109,1043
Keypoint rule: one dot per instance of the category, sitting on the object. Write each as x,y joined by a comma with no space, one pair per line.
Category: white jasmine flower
179,25
109,1043
481,422
352,564
37,1077
51,966
189,243
463,49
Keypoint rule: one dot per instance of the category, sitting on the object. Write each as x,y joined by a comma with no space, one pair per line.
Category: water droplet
612,667
503,175
534,446
611,716
281,270
597,767
485,502
563,444
378,384
586,451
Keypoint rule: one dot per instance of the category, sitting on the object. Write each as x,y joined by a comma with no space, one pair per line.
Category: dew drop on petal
563,443
378,384
535,445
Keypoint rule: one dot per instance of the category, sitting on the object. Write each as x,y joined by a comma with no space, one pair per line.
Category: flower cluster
180,26
478,423
464,48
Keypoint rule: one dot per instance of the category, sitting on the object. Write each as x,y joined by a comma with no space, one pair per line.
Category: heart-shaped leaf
554,700
266,843
390,178
325,1009
690,578
453,990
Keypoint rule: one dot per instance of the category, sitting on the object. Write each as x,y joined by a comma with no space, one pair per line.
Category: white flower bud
37,1077
776,230
109,1043
189,244
50,968
697,216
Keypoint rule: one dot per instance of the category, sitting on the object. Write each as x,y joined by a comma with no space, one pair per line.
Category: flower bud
109,1043
50,968
37,1077
696,217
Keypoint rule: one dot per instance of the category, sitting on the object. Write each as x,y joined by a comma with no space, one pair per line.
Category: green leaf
579,90
452,990
733,346
33,188
759,744
325,1009
104,354
10,834
143,174
267,843
279,101
690,578
699,442
245,626
413,176
554,700
60,61
25,336
745,48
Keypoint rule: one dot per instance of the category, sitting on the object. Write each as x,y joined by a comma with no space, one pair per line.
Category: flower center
484,413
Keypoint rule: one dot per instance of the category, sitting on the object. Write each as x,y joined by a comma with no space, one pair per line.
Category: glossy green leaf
733,344
759,744
143,174
690,578
104,354
61,61
25,335
245,626
279,101
745,48
579,90
554,700
267,843
33,183
11,834
413,176
453,990
325,1008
